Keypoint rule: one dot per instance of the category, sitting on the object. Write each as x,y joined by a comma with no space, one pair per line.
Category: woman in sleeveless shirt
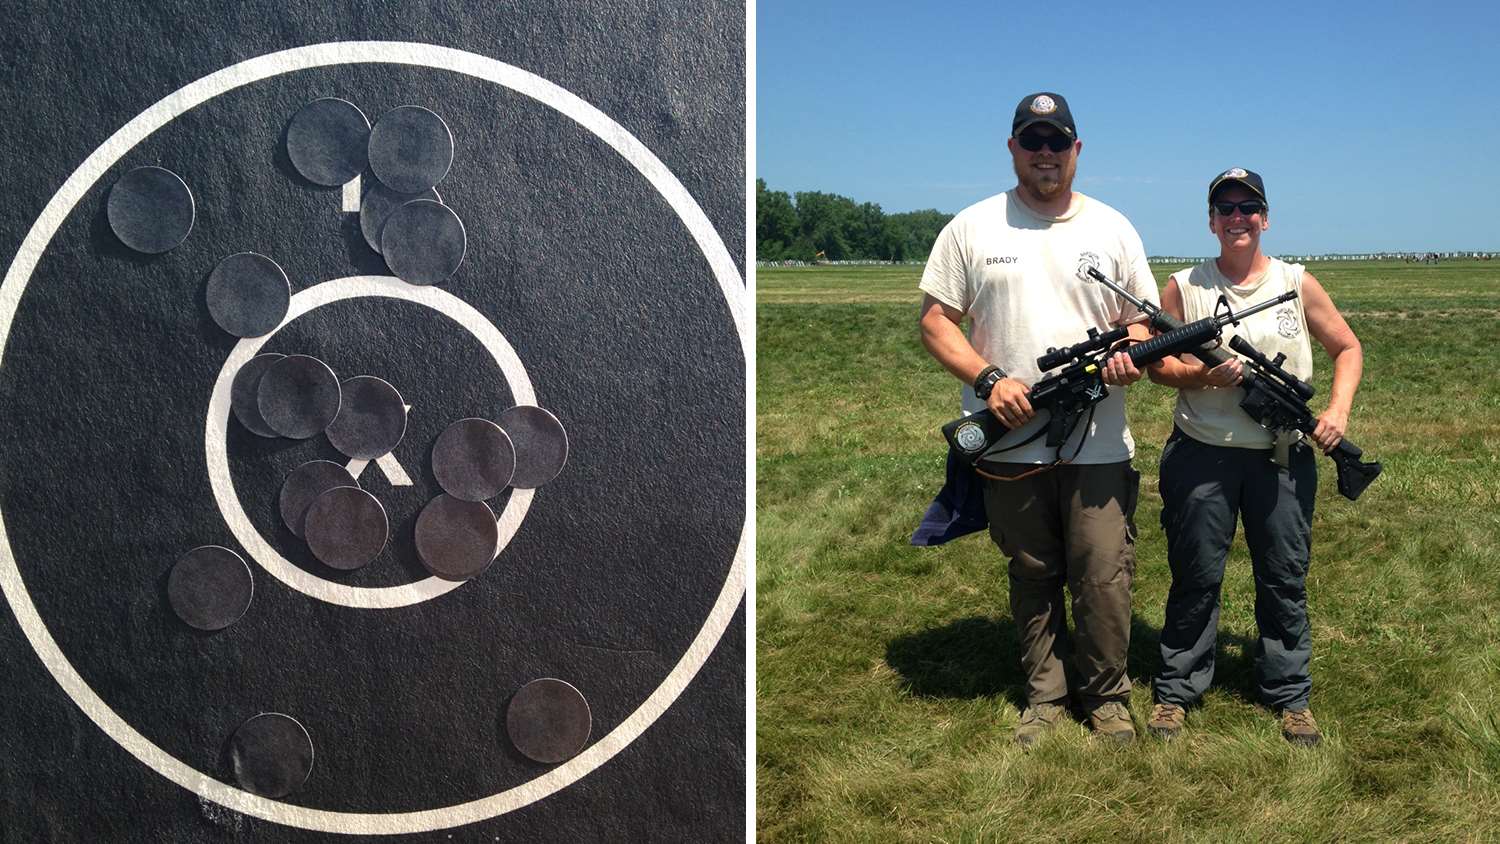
1219,464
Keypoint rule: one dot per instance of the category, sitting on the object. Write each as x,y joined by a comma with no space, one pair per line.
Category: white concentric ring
217,429
699,227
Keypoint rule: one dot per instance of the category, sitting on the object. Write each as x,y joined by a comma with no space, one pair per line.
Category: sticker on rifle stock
969,436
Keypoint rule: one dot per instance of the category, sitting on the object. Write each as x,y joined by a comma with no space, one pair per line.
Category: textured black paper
106,376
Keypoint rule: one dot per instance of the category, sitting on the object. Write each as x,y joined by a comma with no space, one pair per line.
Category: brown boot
1112,721
1166,721
1298,727
1038,720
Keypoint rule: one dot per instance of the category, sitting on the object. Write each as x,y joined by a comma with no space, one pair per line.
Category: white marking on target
217,430
351,196
387,463
632,151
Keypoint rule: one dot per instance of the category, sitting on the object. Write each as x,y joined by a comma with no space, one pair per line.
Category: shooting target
568,286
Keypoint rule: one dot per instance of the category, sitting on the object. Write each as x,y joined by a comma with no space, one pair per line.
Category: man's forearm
946,342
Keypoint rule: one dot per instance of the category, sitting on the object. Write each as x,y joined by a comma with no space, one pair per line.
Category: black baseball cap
1241,176
1044,107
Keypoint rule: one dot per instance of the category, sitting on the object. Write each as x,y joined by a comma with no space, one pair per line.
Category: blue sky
1376,125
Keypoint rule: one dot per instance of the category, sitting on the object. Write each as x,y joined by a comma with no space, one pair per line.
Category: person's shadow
980,657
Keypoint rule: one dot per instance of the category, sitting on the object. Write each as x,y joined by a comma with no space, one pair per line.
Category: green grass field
887,679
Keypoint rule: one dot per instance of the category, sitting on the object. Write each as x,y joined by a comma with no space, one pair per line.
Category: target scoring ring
617,137
216,433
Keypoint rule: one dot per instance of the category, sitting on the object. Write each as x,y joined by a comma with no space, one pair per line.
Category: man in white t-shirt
1013,264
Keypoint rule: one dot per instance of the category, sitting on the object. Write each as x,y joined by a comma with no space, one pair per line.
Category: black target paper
111,359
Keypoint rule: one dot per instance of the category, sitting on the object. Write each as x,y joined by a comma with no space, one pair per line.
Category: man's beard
1046,186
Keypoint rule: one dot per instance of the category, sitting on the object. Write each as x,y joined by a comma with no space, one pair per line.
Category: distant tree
776,226
916,231
827,220
839,227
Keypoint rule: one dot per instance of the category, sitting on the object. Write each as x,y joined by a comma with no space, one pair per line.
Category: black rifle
1277,399
1273,397
1080,386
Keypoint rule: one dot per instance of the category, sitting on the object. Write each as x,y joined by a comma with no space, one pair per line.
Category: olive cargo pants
1071,526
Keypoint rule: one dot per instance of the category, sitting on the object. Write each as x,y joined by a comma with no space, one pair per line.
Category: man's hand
1120,370
1330,431
1008,402
1226,374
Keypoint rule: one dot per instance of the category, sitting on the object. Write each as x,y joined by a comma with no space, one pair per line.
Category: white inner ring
725,273
363,597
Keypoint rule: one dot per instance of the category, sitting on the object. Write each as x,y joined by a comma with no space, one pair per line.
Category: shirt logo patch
1043,105
1085,261
1003,259
1287,324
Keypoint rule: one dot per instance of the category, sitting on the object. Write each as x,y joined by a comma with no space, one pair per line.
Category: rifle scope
1058,357
1303,389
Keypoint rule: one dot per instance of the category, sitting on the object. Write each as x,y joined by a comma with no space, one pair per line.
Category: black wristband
985,383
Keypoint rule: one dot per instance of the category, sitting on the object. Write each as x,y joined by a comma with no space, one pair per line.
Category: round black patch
210,587
548,720
423,242
346,528
271,754
371,418
541,445
473,459
411,149
303,486
456,539
376,205
244,394
298,396
248,294
151,209
327,141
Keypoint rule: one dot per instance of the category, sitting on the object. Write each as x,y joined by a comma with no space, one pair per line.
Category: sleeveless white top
1212,414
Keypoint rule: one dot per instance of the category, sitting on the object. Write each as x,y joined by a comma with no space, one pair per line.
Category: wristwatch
985,383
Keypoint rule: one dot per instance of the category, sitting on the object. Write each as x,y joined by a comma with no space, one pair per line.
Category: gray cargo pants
1072,525
1203,489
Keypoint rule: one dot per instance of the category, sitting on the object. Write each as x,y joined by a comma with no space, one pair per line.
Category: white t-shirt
1016,274
1213,414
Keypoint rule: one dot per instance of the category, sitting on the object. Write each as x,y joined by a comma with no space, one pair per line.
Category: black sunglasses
1248,207
1033,141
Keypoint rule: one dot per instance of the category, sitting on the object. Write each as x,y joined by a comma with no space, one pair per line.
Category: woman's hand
1330,431
1226,374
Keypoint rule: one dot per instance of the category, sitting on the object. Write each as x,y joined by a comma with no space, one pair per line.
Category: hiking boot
1112,721
1166,721
1298,727
1038,720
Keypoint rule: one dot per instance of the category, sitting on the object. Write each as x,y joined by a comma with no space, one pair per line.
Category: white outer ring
480,67
217,429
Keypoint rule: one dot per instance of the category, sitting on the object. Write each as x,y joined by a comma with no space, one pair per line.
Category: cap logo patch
1043,105
1234,173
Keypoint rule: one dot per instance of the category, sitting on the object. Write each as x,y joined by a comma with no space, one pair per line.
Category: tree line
812,225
